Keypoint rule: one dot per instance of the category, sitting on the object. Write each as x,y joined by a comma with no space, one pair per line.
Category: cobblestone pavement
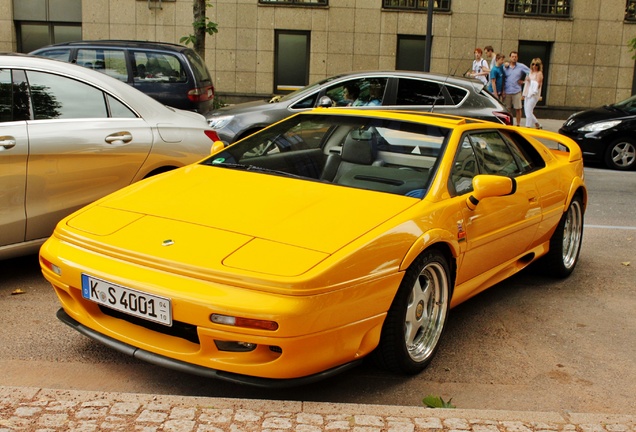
43,410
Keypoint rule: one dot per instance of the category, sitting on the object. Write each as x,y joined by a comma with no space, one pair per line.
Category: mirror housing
488,186
217,146
325,102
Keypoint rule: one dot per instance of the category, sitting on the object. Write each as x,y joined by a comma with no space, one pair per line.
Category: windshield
391,156
628,105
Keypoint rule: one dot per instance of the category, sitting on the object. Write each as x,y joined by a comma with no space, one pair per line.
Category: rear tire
417,317
621,154
565,244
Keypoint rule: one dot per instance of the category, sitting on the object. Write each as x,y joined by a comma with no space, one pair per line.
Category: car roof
442,78
166,46
447,120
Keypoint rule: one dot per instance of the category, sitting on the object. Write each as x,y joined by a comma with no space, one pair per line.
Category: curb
35,409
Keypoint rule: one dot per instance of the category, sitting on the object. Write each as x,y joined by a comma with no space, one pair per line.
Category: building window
43,22
543,8
291,64
438,5
411,52
630,10
296,2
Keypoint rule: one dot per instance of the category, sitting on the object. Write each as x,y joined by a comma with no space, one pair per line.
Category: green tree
201,26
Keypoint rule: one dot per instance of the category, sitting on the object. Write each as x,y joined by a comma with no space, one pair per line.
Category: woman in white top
532,92
480,69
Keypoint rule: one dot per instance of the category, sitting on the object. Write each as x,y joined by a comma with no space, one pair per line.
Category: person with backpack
480,69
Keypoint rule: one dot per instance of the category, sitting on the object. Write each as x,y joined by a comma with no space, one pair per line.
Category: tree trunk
199,31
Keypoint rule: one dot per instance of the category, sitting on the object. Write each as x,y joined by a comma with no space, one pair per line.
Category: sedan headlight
219,122
599,126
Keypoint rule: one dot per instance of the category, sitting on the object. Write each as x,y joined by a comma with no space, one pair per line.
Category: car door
84,144
499,229
14,150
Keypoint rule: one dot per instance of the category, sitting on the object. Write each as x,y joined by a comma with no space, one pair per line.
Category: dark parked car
174,75
606,134
412,91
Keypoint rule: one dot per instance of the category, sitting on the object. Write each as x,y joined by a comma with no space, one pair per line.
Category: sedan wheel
621,154
565,243
416,320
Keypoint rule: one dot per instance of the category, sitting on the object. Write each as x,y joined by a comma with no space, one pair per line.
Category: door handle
119,138
7,142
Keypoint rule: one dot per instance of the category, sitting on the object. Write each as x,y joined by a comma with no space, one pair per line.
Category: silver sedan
69,135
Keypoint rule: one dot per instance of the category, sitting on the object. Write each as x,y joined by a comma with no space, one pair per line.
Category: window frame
416,5
630,10
295,3
538,8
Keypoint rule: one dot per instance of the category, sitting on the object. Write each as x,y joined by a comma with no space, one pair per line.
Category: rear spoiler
564,143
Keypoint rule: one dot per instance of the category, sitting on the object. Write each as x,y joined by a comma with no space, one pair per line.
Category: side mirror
217,146
325,102
487,186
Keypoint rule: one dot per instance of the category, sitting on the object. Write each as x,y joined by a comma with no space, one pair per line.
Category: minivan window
201,72
109,61
57,97
157,67
58,54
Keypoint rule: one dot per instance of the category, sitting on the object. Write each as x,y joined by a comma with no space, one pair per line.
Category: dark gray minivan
173,74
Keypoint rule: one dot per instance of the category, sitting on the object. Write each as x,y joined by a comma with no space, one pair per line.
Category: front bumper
180,366
318,335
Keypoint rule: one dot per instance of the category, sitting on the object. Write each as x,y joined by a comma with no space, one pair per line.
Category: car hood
607,112
217,219
241,108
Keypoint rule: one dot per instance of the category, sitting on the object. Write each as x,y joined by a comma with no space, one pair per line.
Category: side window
157,67
14,96
109,61
464,168
6,96
57,54
457,94
308,102
493,155
419,92
56,97
118,109
358,92
528,157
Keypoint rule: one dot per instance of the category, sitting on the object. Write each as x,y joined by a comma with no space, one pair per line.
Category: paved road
528,344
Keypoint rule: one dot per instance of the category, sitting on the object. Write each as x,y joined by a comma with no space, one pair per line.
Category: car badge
167,242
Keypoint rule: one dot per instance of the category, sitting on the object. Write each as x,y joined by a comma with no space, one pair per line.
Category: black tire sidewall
392,353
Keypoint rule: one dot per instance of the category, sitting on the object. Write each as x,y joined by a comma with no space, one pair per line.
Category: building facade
273,46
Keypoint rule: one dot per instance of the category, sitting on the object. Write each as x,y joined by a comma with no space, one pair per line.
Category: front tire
565,244
621,154
417,317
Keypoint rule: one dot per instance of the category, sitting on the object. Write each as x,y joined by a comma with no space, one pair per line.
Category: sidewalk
34,409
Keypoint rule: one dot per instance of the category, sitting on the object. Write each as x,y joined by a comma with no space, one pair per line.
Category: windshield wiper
253,168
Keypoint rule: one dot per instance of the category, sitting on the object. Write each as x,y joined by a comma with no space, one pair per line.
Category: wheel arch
577,188
440,240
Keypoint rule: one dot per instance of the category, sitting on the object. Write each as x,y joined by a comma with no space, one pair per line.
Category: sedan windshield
391,156
628,105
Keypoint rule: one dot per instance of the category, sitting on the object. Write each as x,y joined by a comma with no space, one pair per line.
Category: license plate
127,300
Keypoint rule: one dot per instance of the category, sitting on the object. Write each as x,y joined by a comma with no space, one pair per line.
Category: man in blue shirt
496,81
515,74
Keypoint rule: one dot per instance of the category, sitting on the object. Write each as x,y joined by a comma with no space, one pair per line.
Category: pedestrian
514,77
489,56
532,92
480,69
496,82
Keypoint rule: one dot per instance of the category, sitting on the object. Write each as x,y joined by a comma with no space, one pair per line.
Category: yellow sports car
329,236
